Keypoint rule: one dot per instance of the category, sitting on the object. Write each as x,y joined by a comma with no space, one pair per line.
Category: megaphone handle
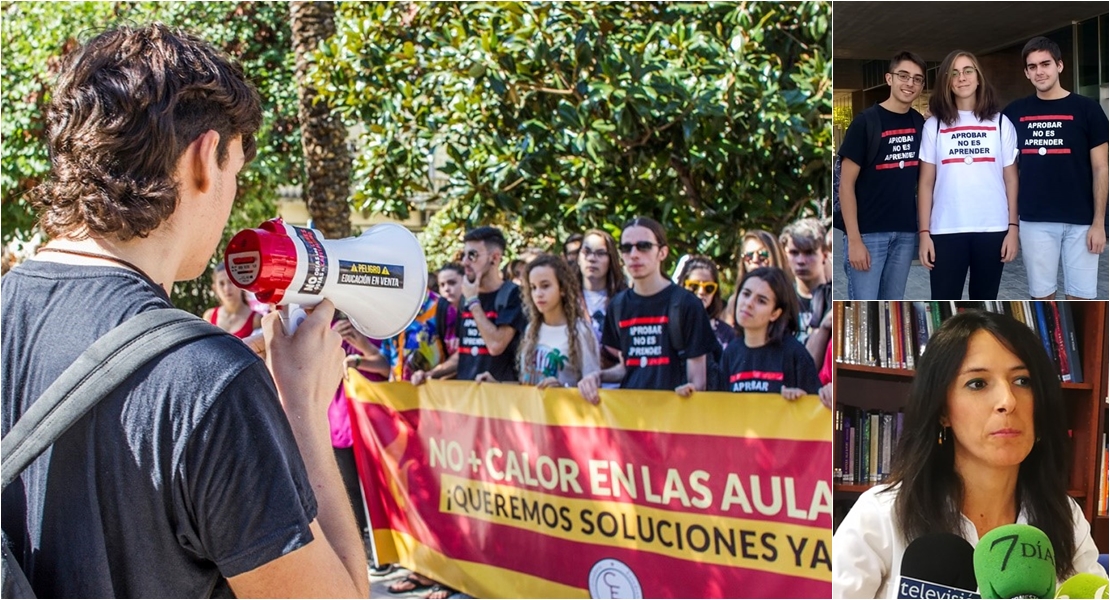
292,316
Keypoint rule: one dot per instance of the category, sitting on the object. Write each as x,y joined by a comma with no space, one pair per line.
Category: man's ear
200,161
666,250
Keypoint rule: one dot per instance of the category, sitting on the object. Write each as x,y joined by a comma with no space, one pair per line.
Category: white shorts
1043,244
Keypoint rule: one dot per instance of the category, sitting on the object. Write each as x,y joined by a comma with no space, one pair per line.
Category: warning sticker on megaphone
372,274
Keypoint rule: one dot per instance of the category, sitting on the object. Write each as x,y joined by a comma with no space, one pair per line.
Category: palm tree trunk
327,159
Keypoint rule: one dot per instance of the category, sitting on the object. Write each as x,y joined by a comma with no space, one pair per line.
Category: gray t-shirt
186,475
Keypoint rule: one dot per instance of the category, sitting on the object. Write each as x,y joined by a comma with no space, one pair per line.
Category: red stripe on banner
898,132
659,451
908,163
643,321
1047,151
651,362
1047,118
469,315
969,128
768,375
974,160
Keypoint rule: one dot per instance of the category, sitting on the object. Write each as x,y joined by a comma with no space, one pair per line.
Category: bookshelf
861,385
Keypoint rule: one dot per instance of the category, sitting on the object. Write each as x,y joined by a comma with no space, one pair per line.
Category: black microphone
938,565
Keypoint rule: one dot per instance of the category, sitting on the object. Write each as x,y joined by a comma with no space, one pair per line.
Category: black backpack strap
503,294
106,364
874,129
675,330
441,319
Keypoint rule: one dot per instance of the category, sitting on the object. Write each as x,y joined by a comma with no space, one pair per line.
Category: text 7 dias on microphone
379,279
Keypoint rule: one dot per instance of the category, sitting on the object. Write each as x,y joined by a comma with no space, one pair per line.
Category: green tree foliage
710,117
35,37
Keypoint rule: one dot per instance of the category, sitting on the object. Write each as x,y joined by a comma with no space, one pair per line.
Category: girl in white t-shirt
558,344
967,191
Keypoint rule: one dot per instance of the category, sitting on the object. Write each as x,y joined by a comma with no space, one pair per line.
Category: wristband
469,301
922,231
1013,224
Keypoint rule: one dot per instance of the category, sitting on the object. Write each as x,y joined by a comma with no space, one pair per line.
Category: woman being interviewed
967,187
984,445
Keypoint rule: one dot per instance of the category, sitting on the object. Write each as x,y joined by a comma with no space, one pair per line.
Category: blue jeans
891,255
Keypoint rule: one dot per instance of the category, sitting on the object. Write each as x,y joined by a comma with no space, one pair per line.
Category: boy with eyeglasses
878,186
637,325
1062,178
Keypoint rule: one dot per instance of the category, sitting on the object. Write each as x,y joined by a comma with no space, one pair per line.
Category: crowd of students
602,313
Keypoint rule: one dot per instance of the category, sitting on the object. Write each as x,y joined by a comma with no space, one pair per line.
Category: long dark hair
716,305
942,103
931,493
786,299
614,277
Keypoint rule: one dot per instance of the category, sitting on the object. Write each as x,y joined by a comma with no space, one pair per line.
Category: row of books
893,334
863,444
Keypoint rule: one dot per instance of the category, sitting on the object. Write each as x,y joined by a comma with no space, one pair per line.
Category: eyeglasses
471,255
599,253
966,71
905,77
709,286
641,246
760,256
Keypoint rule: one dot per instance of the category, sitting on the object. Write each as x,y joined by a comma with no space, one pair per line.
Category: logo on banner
610,578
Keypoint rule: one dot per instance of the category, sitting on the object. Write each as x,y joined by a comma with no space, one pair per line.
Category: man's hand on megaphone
305,365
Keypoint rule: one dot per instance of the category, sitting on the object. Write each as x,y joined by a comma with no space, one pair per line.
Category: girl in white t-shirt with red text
967,191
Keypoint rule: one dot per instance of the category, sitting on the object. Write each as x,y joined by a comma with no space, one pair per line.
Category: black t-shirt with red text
474,356
1055,138
643,337
769,368
886,191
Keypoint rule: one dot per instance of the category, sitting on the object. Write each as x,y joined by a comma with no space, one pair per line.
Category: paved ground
1014,285
379,585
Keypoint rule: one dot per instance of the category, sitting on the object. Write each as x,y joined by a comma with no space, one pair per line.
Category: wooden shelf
1099,529
909,373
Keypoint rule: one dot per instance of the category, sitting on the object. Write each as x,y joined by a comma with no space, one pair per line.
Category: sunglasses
598,253
761,255
471,255
709,286
641,246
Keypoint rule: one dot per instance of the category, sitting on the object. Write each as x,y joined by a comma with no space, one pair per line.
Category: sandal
440,592
410,583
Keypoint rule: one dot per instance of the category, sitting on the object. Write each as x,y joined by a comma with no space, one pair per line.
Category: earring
942,436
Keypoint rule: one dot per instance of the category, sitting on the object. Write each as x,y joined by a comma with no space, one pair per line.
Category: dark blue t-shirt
1055,138
886,190
188,474
769,368
643,337
474,356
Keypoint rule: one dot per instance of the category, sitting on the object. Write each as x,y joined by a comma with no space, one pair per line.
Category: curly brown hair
124,109
570,296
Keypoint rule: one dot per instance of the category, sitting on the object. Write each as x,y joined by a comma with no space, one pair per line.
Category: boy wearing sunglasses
492,311
878,186
638,327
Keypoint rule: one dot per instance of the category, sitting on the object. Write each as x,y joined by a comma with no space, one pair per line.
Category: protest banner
509,491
